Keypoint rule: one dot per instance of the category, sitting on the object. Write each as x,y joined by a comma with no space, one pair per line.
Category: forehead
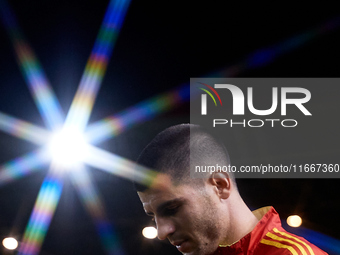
151,198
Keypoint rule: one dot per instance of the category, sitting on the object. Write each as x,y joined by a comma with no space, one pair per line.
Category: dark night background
161,45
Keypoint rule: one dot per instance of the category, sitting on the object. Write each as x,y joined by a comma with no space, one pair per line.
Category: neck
241,220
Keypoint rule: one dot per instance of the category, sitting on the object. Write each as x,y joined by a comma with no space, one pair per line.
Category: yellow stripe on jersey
277,238
297,239
279,245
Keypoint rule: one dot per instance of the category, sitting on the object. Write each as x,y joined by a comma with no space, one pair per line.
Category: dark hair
171,151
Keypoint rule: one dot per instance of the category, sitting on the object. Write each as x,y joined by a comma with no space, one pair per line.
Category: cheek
188,220
206,224
184,219
212,231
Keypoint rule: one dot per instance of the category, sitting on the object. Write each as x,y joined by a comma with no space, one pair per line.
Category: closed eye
168,208
171,210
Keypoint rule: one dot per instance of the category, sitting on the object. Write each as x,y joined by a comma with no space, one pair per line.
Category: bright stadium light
294,221
68,147
10,243
150,232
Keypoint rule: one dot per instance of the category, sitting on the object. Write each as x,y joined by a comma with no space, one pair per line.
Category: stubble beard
208,223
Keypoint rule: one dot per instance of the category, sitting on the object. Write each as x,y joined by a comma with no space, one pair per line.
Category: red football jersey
268,237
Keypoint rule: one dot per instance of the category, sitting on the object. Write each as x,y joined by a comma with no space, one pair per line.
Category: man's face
186,215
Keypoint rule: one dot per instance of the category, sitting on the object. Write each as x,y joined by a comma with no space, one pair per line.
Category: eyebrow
164,205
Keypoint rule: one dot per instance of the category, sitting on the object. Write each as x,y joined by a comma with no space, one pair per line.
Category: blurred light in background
294,221
10,243
149,232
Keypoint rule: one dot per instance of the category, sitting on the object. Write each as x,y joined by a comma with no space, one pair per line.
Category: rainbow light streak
324,242
143,111
42,214
23,166
40,88
90,197
114,125
96,66
49,108
78,117
119,166
23,129
263,57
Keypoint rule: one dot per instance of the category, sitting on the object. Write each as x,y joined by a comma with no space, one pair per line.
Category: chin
205,251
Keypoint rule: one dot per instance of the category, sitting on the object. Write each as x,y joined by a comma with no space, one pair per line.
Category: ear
222,184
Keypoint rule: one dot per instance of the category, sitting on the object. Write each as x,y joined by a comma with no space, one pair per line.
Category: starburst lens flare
42,214
23,166
37,82
96,66
139,113
119,166
90,197
23,129
68,148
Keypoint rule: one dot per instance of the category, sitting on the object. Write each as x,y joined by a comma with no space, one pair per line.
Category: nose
165,228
